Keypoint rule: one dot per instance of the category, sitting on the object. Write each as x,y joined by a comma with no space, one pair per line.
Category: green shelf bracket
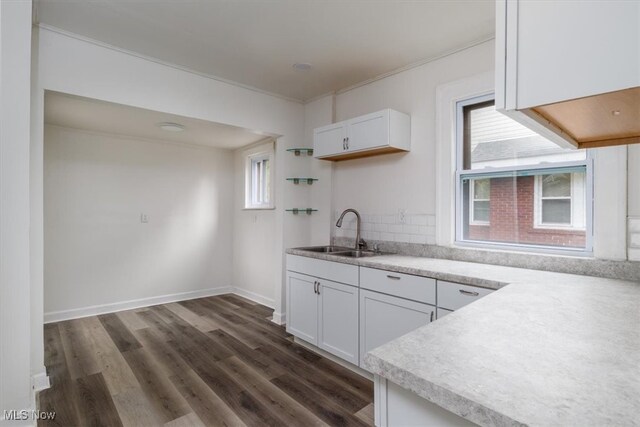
299,180
296,211
299,151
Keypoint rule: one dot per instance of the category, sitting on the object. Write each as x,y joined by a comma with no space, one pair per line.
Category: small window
480,197
560,201
259,181
517,189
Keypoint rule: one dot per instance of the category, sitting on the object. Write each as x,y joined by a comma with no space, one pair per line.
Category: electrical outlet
144,218
402,216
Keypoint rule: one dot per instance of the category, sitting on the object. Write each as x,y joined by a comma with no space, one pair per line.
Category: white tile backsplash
417,228
634,238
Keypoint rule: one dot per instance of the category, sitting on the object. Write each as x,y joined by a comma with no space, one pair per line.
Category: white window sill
522,249
543,227
259,208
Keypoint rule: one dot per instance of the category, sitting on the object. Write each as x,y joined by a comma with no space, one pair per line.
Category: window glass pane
481,189
481,211
267,181
556,185
556,211
492,139
518,214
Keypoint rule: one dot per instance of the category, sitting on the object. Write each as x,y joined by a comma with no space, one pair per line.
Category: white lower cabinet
348,310
384,318
338,320
441,312
323,313
452,296
302,307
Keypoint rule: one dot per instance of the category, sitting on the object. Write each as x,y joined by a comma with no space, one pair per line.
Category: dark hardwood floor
215,361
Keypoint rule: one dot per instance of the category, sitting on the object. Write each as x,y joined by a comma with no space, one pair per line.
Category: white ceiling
255,42
90,114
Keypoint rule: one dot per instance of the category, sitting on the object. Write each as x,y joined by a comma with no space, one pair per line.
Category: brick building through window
516,187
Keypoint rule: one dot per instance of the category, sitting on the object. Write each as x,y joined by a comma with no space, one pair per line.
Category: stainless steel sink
357,254
325,249
341,251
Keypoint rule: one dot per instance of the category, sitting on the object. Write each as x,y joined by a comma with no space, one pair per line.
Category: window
516,189
480,197
560,201
259,180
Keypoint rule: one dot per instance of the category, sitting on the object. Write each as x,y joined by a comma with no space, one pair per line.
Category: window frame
250,181
487,171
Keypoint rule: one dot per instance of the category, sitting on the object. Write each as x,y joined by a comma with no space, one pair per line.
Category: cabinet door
384,318
568,50
454,296
302,307
369,131
338,320
329,140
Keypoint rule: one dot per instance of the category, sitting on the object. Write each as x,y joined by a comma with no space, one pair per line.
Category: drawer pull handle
469,293
393,277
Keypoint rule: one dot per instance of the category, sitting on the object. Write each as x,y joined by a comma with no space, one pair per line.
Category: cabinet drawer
453,296
334,271
422,289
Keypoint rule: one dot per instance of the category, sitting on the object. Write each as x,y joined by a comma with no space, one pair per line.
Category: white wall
254,260
97,250
407,181
80,67
633,188
381,185
15,334
318,113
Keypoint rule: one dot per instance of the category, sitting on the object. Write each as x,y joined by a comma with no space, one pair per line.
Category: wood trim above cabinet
365,153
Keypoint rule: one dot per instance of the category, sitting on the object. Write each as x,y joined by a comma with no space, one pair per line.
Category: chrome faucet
360,244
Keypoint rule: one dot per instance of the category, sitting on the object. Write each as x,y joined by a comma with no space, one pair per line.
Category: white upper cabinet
562,66
385,131
329,140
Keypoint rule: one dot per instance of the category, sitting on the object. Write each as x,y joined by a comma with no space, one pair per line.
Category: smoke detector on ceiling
302,66
171,127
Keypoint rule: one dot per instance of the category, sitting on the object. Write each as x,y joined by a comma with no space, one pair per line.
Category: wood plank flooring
216,361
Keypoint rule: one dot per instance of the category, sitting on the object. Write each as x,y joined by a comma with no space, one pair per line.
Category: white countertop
545,349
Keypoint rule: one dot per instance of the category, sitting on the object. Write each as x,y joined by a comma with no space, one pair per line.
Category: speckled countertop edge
411,265
456,400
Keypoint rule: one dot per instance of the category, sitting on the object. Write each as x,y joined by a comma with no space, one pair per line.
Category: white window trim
262,153
578,216
459,171
447,97
472,201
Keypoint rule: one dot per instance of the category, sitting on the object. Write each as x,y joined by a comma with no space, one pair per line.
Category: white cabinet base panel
396,406
358,370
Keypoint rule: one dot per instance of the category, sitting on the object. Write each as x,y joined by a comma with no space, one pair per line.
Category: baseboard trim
255,297
279,318
57,316
40,381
